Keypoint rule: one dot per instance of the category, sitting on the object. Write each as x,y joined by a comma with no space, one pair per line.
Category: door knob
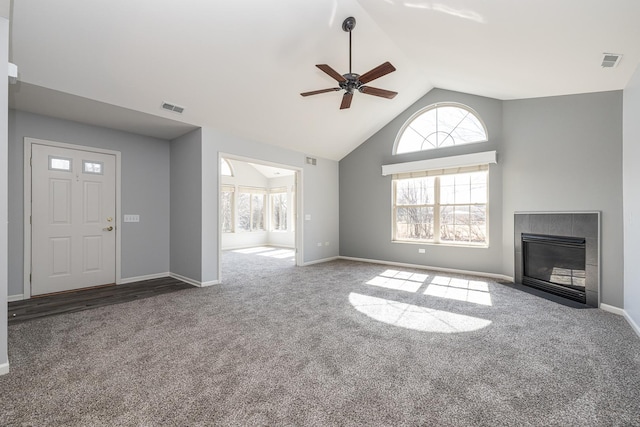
109,228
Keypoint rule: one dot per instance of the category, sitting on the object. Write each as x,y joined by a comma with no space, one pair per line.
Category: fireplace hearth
558,253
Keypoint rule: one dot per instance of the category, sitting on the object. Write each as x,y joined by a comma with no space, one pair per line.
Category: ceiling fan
351,82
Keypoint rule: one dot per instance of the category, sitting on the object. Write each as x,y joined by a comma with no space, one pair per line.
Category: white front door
73,212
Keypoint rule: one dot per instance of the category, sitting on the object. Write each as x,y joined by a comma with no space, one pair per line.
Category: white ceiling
239,66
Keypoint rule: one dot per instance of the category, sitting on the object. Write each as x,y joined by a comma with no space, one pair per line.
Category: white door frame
27,204
299,258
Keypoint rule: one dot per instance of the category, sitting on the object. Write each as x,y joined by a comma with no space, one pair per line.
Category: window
92,167
225,167
251,203
226,208
59,164
440,125
278,199
447,208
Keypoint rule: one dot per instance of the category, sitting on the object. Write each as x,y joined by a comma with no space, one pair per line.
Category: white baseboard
623,313
4,368
193,282
427,267
320,261
18,297
633,324
612,309
140,278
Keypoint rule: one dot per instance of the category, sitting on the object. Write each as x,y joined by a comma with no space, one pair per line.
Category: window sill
447,245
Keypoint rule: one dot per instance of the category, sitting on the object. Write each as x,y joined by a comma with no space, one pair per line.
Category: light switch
132,218
307,217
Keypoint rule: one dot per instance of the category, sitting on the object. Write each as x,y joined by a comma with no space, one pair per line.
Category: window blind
439,172
443,165
253,190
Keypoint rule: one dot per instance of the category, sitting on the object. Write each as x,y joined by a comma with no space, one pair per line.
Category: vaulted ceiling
239,66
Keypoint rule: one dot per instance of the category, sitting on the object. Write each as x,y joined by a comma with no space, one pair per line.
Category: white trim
12,298
320,261
4,368
428,267
193,282
474,159
612,309
633,324
434,107
27,204
621,312
141,278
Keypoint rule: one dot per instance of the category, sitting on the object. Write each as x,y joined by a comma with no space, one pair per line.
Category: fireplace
559,253
555,264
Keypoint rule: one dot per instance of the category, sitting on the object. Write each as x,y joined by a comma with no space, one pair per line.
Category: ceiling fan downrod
348,25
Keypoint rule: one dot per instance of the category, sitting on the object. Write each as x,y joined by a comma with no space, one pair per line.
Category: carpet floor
339,343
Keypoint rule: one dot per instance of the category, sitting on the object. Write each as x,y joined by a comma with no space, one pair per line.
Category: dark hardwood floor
85,299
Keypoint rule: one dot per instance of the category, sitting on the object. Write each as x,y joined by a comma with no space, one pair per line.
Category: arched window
440,125
225,168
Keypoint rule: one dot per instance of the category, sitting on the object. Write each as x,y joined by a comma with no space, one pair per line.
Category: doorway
259,204
71,237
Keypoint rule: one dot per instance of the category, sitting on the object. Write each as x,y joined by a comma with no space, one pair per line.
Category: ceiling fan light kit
351,82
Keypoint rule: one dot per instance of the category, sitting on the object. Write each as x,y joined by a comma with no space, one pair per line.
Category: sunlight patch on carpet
475,291
415,317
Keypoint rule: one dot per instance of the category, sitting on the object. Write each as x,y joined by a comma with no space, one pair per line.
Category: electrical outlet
319,244
326,243
421,251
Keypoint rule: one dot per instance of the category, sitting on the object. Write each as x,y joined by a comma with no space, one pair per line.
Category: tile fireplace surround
572,224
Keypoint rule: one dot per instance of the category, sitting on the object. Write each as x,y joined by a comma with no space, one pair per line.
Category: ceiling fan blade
331,72
346,100
378,92
379,71
316,92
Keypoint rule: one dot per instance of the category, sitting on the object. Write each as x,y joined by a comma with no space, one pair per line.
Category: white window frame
436,210
252,191
229,189
273,192
435,107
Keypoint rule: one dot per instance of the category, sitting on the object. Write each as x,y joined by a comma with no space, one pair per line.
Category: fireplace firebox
555,264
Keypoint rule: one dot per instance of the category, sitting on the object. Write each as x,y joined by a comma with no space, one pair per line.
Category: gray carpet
341,343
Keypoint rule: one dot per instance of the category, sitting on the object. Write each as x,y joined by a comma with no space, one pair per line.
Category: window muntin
251,205
226,208
278,203
449,209
440,125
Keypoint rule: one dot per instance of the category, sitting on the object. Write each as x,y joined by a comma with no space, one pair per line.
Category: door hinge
30,219
30,161
29,277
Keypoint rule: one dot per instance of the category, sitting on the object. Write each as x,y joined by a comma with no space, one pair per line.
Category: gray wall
565,154
554,154
186,205
4,101
365,195
631,178
145,190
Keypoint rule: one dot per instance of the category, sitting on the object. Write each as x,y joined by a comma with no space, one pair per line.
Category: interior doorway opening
259,204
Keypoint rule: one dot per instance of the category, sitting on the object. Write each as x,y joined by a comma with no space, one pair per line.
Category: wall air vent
172,107
610,60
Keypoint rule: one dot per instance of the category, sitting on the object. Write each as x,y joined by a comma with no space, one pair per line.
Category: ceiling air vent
610,60
172,107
